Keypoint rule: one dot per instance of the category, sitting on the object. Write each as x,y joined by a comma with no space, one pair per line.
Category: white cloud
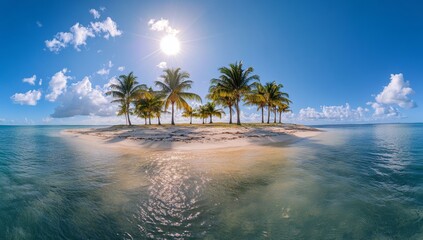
106,69
82,99
30,80
39,24
40,82
28,121
393,96
121,68
79,34
162,25
103,71
396,93
340,113
112,80
47,119
245,117
108,27
54,45
386,105
384,111
57,85
61,40
310,113
29,98
95,13
162,65
65,37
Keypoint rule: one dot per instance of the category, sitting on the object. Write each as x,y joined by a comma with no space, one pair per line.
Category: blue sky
340,61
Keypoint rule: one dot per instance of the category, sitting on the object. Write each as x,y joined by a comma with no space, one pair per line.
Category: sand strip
193,137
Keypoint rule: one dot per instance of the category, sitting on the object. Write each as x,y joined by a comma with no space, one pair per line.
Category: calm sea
350,182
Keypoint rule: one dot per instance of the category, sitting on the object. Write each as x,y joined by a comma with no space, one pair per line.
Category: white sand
192,137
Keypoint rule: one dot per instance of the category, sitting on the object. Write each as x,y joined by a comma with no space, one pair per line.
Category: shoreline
193,137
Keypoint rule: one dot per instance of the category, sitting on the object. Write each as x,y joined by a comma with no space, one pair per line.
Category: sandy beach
193,137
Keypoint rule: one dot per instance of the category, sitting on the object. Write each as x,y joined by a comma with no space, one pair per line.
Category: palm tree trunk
127,114
158,120
230,113
145,120
280,117
238,118
129,120
211,118
203,120
274,110
149,119
173,109
268,114
190,119
262,114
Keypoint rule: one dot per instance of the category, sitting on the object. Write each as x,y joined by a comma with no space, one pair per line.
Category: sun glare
170,45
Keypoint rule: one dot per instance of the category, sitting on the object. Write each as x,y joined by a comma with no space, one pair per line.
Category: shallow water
351,182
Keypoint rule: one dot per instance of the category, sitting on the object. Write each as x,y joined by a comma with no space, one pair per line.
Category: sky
340,61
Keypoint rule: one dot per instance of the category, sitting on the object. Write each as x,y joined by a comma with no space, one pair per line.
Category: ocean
350,182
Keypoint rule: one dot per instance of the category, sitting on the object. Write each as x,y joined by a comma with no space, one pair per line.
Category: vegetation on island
235,86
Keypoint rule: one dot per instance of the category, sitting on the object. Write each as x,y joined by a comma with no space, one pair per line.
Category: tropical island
235,86
172,120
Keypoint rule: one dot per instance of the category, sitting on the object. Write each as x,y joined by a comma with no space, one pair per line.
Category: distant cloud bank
387,104
339,113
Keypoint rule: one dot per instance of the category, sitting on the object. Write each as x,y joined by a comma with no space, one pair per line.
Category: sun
170,45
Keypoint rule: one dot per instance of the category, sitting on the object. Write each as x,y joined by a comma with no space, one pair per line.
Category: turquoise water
350,182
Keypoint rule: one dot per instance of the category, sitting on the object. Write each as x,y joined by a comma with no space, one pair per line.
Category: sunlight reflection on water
174,198
364,184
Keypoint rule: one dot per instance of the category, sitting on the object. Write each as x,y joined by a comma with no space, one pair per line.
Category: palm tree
150,106
236,81
158,110
257,97
156,103
122,111
125,91
141,112
189,112
173,86
220,97
202,113
273,96
282,107
211,111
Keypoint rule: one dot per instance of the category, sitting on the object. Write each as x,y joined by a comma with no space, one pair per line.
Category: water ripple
175,198
365,183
